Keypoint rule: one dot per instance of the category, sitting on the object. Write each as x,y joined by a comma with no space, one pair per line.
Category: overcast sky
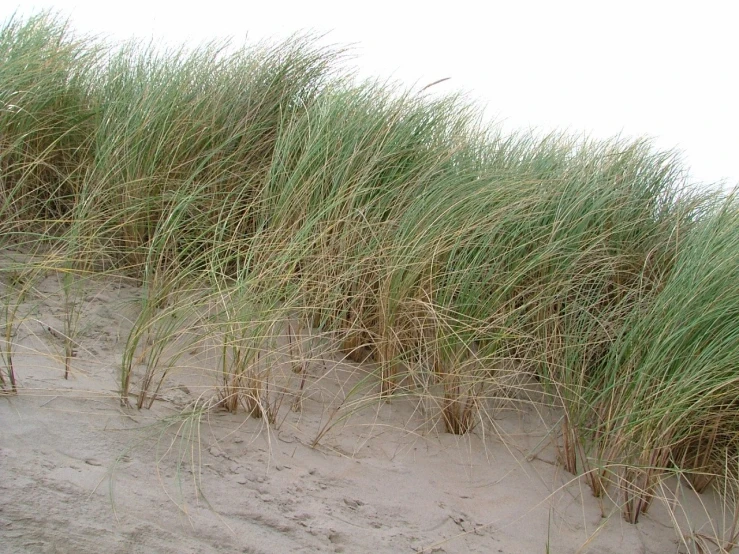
663,69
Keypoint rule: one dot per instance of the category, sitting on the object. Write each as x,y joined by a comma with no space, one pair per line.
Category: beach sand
82,474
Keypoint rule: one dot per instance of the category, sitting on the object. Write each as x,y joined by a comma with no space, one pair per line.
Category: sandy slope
81,474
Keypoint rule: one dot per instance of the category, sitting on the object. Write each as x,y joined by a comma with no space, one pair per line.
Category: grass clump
261,194
670,379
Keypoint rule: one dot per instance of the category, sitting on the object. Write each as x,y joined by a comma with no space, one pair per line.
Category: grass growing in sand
259,193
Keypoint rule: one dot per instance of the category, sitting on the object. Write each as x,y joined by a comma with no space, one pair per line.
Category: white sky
663,69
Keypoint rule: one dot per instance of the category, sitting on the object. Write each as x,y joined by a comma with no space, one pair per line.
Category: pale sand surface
81,474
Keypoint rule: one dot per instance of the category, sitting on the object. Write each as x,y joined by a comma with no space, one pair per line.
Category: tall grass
256,192
46,119
669,383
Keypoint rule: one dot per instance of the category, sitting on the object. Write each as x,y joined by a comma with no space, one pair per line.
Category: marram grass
259,193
